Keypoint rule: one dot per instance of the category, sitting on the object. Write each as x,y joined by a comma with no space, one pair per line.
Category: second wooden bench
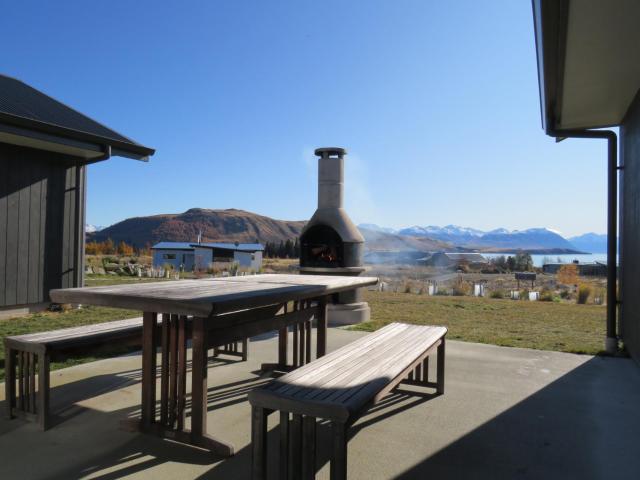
340,387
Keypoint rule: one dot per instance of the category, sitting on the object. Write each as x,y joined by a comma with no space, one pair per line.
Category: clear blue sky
437,103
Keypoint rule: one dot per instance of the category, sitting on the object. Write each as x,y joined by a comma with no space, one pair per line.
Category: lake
539,260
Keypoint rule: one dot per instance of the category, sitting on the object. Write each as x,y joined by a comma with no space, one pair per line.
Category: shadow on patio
506,413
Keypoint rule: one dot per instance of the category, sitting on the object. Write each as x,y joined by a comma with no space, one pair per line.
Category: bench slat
97,329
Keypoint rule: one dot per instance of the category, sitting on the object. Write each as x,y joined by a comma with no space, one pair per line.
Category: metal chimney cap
330,151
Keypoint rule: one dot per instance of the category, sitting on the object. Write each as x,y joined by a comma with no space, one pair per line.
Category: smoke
359,202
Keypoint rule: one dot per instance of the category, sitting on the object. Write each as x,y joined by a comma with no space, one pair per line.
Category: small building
593,269
455,259
189,256
45,147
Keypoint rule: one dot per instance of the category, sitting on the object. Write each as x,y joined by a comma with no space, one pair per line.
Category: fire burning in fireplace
321,246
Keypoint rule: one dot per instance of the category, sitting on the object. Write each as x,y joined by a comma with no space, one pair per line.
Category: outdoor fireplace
330,244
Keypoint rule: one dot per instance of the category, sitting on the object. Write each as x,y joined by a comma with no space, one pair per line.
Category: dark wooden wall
41,224
630,230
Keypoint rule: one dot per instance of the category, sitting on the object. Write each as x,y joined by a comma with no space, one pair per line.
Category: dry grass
540,325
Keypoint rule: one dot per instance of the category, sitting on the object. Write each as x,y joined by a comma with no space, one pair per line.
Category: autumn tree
93,248
108,247
568,274
124,249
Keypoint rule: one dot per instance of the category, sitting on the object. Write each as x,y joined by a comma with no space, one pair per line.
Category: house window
169,256
253,256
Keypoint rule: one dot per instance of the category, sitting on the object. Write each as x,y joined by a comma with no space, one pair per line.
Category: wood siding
630,230
41,224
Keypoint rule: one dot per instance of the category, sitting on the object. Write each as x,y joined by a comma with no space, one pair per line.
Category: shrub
406,288
111,267
546,295
584,292
565,294
461,288
496,294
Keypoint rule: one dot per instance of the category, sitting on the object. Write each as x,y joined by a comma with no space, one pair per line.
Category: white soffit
602,63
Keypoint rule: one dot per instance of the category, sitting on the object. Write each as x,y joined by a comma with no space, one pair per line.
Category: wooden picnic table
223,310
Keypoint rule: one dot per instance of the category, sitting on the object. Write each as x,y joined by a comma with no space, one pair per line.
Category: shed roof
241,247
172,246
468,257
26,112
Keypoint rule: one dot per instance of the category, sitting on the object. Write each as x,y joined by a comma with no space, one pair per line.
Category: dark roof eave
550,20
130,150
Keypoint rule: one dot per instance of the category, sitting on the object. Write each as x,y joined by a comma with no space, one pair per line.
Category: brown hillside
382,241
216,225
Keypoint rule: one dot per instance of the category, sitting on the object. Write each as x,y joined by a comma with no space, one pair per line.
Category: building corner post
611,342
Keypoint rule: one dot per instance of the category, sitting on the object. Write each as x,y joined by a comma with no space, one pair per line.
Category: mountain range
238,225
590,242
500,239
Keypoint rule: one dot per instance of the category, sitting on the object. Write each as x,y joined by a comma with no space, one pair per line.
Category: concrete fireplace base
341,314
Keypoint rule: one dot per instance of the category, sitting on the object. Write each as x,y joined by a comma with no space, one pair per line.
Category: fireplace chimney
330,243
330,177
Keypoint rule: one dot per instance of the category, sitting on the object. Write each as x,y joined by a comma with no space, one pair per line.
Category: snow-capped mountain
590,242
450,233
498,239
377,228
92,228
532,238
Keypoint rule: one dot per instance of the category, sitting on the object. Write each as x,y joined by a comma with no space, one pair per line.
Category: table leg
283,338
148,369
199,393
321,339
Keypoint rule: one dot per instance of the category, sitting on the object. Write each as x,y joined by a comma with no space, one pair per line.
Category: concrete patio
506,413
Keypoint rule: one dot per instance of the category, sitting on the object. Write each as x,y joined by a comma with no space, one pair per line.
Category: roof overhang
587,52
27,132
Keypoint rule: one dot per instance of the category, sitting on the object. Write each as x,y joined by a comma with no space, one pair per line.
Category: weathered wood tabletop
211,296
224,310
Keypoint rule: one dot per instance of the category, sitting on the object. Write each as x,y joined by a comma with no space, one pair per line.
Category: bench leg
309,448
10,380
43,391
284,445
295,444
259,443
245,351
339,456
425,370
440,378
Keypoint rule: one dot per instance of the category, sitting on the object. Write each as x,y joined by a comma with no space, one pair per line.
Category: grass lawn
540,325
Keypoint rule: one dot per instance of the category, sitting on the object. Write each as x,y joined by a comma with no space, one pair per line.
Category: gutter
136,150
611,342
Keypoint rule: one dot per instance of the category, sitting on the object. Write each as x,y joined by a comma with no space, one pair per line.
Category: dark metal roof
241,247
23,106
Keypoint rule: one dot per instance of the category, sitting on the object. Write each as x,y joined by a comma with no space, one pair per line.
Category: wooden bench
31,354
340,387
